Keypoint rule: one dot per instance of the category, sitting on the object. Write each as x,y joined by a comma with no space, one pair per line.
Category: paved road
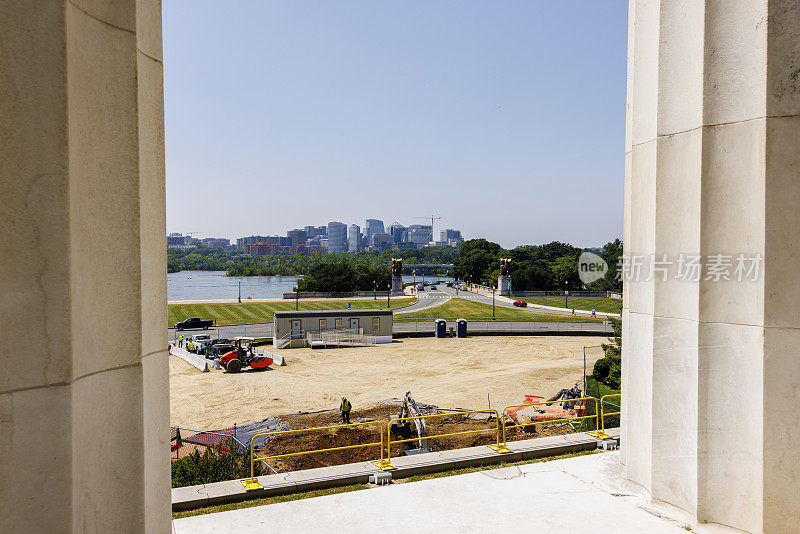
426,299
262,330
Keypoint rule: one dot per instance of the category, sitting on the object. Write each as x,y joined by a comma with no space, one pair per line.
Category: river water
214,285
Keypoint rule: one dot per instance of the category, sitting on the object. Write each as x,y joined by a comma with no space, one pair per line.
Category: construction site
422,394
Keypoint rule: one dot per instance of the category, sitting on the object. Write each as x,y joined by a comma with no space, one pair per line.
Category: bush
601,369
217,463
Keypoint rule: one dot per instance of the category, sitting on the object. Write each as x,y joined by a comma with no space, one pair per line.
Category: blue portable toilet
441,328
461,328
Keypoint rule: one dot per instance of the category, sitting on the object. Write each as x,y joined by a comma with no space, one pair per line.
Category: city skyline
295,109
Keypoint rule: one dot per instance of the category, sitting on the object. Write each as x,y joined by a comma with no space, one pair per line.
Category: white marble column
84,393
711,369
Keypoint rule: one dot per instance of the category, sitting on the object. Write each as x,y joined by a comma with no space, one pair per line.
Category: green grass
601,304
469,309
268,500
261,312
357,487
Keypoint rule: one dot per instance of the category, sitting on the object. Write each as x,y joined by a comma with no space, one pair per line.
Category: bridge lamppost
493,289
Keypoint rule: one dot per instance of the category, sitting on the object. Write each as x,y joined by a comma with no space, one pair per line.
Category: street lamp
414,271
493,304
388,293
566,293
240,291
375,290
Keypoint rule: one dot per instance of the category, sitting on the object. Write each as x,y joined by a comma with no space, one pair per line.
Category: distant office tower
251,240
216,242
451,237
399,233
354,238
381,242
421,234
297,237
337,237
374,226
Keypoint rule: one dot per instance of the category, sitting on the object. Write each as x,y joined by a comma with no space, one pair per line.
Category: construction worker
180,341
190,346
345,408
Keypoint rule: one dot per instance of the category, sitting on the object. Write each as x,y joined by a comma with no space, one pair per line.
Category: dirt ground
449,373
484,434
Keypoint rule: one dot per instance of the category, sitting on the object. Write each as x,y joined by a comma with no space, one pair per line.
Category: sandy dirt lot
450,373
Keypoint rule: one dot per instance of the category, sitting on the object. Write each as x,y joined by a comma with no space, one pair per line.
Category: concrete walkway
574,495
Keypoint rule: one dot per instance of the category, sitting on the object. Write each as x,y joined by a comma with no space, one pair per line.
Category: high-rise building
337,237
354,238
451,237
398,232
216,242
420,234
251,240
381,242
374,226
297,237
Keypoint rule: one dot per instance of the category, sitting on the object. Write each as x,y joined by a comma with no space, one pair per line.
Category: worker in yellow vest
345,408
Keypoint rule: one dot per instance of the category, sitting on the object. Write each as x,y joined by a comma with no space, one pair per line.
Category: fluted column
711,372
84,396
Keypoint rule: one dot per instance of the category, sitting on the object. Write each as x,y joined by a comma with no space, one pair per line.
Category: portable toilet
461,328
441,328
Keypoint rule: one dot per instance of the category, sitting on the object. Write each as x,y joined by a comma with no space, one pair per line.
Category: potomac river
214,285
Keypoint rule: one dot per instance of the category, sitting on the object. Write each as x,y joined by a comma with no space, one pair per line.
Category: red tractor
243,356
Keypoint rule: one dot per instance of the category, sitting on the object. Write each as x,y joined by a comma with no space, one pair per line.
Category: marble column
84,393
711,366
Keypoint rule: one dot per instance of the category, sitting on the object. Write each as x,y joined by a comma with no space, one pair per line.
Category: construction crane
432,218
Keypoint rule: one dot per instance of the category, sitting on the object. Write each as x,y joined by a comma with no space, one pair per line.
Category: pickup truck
193,323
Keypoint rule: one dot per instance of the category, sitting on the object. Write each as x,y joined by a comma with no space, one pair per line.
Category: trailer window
376,324
338,324
323,325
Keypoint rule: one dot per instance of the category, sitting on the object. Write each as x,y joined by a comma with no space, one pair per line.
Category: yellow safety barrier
596,416
386,464
602,412
253,484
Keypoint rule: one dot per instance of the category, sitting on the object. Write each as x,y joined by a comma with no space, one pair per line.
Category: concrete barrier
277,359
195,360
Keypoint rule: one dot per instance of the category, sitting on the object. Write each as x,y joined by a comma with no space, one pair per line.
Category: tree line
235,263
548,267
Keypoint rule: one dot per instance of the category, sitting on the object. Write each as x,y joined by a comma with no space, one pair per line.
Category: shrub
601,369
220,462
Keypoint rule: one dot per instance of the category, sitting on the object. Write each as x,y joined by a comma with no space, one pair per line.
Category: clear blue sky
507,119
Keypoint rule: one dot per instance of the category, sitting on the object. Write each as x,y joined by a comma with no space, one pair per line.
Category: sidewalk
582,494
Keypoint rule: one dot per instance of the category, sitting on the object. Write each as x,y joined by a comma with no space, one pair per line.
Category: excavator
403,428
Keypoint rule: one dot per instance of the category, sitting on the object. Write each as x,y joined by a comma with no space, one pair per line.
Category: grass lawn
601,304
261,312
469,309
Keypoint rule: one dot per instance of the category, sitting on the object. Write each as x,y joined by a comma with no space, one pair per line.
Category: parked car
219,341
199,342
215,351
194,323
520,304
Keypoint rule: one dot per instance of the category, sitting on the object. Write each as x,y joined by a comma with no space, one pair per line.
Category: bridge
428,266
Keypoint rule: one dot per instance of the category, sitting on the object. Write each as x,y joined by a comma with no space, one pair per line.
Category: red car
433,287
520,304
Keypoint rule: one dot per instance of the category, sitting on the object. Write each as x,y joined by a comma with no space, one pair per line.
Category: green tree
608,370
